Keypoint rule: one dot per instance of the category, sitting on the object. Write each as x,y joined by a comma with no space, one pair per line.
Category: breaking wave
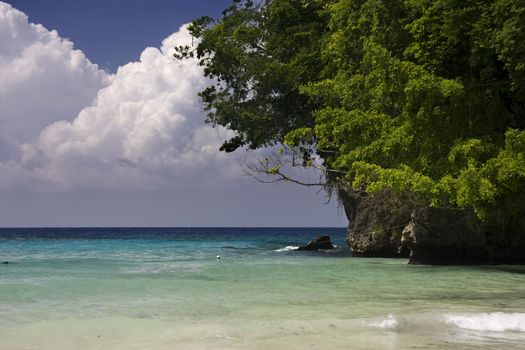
389,323
477,322
491,322
287,248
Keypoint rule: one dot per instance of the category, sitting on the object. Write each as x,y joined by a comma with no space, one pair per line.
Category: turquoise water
165,289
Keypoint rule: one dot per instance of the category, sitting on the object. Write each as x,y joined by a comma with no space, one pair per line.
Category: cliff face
445,236
376,224
384,225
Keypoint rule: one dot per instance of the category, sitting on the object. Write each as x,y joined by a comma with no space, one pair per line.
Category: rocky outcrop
376,223
387,225
321,242
451,236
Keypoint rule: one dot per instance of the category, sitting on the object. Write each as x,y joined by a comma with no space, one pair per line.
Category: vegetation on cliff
415,96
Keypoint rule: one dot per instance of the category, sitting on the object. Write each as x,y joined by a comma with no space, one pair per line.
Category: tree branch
283,177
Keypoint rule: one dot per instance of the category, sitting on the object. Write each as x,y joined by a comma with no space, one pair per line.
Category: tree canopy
418,96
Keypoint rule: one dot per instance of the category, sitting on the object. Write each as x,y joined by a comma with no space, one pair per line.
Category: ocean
164,288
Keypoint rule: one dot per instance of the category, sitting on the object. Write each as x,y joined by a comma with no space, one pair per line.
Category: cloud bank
43,78
66,124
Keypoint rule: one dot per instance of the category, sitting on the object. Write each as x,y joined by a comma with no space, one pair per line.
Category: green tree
259,56
416,96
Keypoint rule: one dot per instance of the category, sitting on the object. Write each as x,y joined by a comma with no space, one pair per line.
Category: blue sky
99,126
114,32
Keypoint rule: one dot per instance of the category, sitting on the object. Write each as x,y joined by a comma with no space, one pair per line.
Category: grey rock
376,223
388,225
441,236
321,242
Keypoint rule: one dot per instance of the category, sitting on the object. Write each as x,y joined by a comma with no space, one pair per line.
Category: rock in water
440,236
391,225
375,224
321,242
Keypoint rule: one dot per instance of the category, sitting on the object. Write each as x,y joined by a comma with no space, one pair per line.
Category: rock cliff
451,236
386,225
376,224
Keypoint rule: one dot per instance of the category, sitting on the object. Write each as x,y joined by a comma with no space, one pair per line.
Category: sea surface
164,288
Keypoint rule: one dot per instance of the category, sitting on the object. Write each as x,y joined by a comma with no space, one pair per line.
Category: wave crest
492,322
388,323
287,248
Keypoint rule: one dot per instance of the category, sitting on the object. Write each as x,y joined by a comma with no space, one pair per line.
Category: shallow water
165,289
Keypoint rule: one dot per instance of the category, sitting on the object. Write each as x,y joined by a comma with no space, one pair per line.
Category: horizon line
159,227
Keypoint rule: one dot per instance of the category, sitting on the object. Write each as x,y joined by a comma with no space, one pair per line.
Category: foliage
418,96
258,56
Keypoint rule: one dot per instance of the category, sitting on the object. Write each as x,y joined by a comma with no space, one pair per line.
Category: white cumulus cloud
43,79
75,126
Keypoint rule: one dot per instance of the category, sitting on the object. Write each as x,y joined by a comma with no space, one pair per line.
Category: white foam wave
287,248
492,322
388,323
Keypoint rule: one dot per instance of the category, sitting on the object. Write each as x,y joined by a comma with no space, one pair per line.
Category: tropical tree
414,96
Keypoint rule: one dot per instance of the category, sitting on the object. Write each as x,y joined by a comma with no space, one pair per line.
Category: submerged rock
321,242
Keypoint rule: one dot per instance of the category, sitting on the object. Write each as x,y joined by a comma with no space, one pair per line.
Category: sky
114,32
99,126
